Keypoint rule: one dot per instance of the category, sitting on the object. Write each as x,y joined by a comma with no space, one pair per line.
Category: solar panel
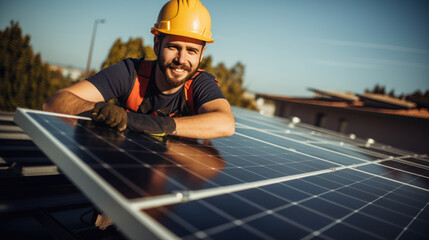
273,179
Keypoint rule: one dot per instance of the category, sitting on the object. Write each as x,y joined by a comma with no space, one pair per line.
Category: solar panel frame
129,213
310,202
135,224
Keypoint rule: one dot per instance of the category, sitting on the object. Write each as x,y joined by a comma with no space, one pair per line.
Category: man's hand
151,124
115,116
110,115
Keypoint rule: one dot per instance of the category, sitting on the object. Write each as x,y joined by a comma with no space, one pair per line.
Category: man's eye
171,47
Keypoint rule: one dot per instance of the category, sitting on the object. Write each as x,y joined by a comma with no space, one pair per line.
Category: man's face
179,58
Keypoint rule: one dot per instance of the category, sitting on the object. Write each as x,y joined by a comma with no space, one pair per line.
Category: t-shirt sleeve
205,89
116,81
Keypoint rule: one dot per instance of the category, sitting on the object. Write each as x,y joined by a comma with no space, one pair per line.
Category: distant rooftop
71,72
385,101
367,102
335,95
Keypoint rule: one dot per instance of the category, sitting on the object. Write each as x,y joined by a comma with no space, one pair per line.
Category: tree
134,48
417,96
417,93
16,65
24,78
379,90
206,64
231,82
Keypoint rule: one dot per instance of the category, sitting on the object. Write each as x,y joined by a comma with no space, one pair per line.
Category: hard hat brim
198,36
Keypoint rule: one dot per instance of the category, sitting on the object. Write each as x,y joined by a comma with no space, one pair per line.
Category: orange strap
140,84
142,80
189,94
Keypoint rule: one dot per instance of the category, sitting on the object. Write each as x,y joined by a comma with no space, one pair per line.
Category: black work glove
151,124
111,115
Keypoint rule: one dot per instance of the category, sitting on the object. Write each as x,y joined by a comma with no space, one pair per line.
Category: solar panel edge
112,204
304,143
186,196
394,180
335,223
183,196
317,131
387,158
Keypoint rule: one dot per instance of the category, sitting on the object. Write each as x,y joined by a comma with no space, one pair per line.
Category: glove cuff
151,124
169,125
100,105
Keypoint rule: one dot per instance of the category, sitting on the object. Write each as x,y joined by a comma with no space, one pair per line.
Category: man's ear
156,45
202,52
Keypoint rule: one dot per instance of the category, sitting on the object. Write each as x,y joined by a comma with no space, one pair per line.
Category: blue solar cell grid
273,179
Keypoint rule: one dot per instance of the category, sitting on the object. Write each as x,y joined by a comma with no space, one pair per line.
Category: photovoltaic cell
348,204
421,162
273,179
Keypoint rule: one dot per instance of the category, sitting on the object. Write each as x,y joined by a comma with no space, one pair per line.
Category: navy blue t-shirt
116,82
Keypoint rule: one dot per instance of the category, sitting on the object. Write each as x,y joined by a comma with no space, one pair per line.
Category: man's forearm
66,102
206,126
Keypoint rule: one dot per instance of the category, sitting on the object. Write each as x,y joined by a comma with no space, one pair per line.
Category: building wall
408,133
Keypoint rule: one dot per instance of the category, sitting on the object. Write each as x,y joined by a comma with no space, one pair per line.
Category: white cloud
346,64
374,45
393,62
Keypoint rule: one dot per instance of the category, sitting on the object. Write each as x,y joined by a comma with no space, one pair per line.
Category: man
149,93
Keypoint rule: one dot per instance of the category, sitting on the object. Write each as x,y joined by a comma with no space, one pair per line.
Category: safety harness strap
137,94
189,94
140,85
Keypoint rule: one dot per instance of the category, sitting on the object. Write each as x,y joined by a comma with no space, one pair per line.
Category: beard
175,80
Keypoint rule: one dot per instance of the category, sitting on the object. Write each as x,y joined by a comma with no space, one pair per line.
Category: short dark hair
161,37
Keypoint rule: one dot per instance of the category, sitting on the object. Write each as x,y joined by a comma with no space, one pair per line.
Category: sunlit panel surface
273,179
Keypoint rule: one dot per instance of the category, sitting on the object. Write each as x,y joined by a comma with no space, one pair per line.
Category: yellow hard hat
187,18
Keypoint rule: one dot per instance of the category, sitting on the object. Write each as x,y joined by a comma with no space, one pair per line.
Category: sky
285,46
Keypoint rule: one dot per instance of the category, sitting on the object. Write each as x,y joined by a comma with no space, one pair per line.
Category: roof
336,95
421,101
386,101
355,106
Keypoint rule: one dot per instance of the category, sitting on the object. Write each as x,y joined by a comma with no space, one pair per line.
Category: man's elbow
228,129
47,107
57,102
49,104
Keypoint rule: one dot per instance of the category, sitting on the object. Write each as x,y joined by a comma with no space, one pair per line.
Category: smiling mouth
178,71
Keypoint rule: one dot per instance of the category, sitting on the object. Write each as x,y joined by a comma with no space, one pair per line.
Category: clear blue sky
286,46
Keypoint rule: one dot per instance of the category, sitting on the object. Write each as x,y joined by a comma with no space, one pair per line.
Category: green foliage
382,90
419,93
25,81
206,64
377,89
134,48
231,82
